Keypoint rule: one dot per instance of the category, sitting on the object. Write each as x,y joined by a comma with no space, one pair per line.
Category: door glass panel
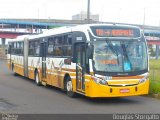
43,49
80,51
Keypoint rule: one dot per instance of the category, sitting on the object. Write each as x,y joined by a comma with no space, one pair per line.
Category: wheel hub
69,86
37,79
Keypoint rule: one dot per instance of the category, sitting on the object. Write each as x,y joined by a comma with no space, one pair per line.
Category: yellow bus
95,60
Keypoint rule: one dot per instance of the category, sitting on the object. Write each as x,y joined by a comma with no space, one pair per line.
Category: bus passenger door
80,66
43,46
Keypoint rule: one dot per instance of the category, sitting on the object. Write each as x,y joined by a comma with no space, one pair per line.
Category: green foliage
154,76
154,64
154,71
154,87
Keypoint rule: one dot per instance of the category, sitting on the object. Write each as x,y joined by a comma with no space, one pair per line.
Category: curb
156,95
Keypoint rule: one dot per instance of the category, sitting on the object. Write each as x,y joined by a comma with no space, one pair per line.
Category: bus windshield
120,56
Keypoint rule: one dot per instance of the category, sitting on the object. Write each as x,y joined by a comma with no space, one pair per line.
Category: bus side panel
33,64
19,65
54,75
56,71
17,62
50,71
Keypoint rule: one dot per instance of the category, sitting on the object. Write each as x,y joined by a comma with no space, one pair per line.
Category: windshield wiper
125,54
112,49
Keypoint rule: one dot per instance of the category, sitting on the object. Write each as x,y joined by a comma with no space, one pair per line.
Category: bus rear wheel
69,88
37,78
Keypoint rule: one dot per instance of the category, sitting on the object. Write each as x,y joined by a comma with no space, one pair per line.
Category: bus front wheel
69,88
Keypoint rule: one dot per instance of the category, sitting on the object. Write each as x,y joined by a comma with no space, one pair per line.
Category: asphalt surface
21,95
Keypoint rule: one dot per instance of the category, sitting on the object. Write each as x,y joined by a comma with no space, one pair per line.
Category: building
83,16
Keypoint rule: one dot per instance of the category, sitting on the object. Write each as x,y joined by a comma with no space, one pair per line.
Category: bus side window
19,48
37,48
22,47
67,46
15,48
9,48
50,47
12,48
57,51
58,46
31,48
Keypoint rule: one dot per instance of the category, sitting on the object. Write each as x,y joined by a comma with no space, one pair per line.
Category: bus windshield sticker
127,66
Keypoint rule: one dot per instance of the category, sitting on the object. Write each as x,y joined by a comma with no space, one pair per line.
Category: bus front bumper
97,90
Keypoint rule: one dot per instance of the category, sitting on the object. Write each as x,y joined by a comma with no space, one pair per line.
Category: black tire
36,78
69,88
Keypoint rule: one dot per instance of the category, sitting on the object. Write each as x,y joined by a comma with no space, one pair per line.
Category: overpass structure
11,28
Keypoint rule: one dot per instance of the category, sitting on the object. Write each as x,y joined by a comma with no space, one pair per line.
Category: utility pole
144,18
88,12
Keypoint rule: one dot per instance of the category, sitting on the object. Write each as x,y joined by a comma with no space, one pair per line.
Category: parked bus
96,60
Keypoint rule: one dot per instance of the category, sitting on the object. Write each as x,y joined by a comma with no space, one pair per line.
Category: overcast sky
125,11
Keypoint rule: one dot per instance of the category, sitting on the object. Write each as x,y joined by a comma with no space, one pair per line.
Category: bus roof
65,29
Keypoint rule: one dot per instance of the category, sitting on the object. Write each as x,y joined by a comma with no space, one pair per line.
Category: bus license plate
124,90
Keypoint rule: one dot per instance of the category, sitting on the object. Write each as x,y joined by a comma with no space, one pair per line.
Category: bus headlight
99,80
143,79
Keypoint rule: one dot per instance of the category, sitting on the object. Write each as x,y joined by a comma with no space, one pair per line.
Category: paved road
21,95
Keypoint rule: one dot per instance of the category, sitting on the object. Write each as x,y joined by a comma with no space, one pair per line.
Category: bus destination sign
125,33
115,32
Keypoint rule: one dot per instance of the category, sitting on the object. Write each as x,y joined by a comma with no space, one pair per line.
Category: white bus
96,60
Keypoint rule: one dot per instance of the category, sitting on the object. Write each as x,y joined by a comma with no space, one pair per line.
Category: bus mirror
67,61
90,49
